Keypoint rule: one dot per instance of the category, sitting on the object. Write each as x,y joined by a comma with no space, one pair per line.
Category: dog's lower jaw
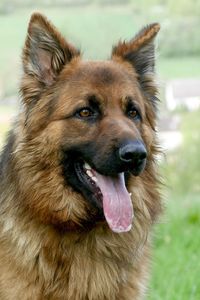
106,195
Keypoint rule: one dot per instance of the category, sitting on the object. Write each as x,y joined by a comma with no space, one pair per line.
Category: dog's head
92,122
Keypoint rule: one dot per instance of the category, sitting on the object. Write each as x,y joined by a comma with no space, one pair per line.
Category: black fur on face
75,175
107,163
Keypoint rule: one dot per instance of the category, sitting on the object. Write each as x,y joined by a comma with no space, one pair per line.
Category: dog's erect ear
140,53
45,52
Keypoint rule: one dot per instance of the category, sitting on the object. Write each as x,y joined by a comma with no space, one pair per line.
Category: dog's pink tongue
117,205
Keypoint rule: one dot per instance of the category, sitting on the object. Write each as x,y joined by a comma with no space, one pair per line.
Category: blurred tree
184,7
177,7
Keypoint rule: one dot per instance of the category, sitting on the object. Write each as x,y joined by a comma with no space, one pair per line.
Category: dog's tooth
89,173
94,179
130,194
87,166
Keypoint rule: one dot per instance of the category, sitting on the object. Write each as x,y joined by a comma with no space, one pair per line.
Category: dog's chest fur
84,266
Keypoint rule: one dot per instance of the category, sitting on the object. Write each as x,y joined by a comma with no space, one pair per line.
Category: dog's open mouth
106,193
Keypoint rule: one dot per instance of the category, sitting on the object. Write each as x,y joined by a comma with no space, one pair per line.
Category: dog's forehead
103,73
109,81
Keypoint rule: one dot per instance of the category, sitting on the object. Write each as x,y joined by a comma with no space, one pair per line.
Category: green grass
176,251
182,67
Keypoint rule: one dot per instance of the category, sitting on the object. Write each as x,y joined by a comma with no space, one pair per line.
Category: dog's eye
85,112
133,113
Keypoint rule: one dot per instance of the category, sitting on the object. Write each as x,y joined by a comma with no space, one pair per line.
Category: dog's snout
133,153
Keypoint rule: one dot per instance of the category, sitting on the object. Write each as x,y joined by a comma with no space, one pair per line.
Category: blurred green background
94,26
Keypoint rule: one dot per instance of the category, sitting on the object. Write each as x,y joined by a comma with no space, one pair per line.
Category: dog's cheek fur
37,164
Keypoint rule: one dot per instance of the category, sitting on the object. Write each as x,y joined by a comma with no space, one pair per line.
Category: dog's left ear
45,52
140,53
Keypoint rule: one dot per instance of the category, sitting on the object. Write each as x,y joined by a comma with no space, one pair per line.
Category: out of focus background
94,26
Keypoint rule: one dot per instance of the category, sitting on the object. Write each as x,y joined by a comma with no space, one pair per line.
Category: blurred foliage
183,166
184,7
11,5
178,7
180,37
180,19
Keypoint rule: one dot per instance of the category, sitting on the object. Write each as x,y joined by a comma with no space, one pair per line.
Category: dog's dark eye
133,114
85,112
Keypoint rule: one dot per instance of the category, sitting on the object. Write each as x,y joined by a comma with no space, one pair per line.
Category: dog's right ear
45,52
140,54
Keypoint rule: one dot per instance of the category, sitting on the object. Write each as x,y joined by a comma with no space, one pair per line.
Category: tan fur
46,252
141,39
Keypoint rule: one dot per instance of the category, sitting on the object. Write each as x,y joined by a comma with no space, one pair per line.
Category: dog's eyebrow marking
128,100
128,103
94,102
104,75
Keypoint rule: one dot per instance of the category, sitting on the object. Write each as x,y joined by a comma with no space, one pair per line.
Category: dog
78,175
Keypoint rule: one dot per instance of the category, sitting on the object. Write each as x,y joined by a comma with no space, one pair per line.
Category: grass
176,251
179,67
177,239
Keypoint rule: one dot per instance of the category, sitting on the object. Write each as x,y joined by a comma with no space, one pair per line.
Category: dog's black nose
133,154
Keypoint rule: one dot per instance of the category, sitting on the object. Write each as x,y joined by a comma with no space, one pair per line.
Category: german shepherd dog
78,179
